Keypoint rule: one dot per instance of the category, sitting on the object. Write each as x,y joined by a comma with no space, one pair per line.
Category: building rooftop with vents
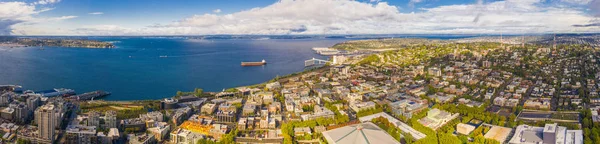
550,133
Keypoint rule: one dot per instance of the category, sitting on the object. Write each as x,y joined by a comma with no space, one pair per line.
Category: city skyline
268,17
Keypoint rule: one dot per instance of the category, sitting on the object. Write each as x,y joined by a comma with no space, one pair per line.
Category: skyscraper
33,102
45,119
111,119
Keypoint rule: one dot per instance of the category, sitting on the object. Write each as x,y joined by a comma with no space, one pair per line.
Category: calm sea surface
135,69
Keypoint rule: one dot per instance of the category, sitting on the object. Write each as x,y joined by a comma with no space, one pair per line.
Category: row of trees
225,139
197,92
479,113
369,111
288,128
591,129
394,131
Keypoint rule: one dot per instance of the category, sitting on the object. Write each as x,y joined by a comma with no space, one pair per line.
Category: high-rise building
45,118
5,99
110,118
60,107
21,112
93,119
33,102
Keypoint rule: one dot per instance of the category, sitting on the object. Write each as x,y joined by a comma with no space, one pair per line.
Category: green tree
446,138
408,138
198,92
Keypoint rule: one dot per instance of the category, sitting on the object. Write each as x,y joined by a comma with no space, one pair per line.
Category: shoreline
254,85
47,42
213,93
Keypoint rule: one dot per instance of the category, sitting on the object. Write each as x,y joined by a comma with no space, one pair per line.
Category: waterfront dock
89,95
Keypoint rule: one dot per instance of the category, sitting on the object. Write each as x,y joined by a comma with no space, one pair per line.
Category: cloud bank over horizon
339,17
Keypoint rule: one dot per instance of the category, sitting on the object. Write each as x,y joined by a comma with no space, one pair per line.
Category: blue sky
147,11
200,17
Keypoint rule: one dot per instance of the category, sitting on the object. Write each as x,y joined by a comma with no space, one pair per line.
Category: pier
89,95
314,61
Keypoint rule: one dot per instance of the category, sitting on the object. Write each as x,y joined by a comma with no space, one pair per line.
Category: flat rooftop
498,133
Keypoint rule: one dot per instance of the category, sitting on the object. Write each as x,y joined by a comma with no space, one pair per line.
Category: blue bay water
135,71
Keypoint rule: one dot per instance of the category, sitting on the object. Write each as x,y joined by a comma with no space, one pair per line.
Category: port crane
314,61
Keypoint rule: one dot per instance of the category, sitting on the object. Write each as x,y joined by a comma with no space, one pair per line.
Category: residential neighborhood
436,93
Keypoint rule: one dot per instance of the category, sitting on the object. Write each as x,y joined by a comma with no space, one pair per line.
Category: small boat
163,56
263,62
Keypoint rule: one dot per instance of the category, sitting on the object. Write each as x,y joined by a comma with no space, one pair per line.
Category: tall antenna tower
554,46
501,41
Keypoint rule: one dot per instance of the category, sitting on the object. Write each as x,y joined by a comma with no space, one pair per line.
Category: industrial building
550,133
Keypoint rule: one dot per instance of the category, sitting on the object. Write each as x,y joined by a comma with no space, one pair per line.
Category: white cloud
12,13
104,30
217,11
285,17
48,19
580,2
96,13
355,17
14,10
43,2
20,13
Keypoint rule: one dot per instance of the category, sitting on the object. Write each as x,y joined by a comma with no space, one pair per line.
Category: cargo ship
89,95
263,62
